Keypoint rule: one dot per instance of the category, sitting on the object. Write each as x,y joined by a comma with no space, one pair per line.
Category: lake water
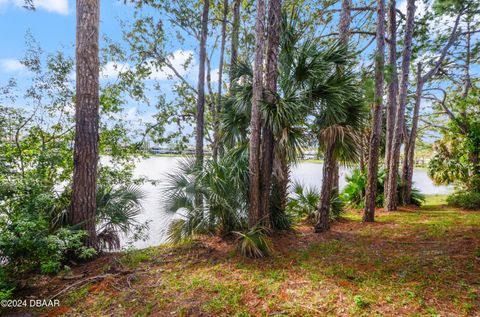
307,173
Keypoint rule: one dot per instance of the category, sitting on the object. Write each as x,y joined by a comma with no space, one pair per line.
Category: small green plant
354,192
465,199
6,293
360,302
50,267
7,284
304,201
255,243
467,307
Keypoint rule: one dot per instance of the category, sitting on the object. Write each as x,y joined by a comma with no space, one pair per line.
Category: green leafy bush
36,170
465,199
354,192
7,284
27,245
50,267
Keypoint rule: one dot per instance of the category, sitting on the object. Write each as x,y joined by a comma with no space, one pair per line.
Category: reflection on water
307,173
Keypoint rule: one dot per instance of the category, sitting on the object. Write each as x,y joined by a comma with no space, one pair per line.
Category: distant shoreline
316,161
187,155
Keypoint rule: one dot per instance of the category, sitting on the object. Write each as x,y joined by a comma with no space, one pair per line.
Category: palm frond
255,243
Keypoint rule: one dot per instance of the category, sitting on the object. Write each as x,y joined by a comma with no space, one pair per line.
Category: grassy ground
423,262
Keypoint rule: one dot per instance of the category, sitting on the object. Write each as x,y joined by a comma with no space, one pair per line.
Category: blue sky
52,24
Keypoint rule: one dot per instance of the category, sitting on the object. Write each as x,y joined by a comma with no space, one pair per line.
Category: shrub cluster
465,199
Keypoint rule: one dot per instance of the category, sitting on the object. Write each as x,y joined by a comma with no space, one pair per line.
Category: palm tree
117,210
223,187
338,125
307,85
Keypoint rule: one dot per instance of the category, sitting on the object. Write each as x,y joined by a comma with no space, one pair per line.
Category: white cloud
215,73
182,61
113,69
11,65
55,6
178,60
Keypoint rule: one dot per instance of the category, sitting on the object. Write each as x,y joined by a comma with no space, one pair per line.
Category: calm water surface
307,173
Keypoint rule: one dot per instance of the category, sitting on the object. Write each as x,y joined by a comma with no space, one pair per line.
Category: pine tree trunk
234,37
323,223
344,24
218,106
407,173
467,82
254,214
375,136
266,170
200,128
391,202
393,84
280,180
273,46
85,160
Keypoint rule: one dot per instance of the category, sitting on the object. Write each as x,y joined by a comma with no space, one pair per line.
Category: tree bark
330,161
362,161
218,106
372,170
200,116
393,84
345,19
85,159
201,87
273,46
335,177
467,80
234,37
391,189
323,223
254,214
407,173
279,184
344,35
